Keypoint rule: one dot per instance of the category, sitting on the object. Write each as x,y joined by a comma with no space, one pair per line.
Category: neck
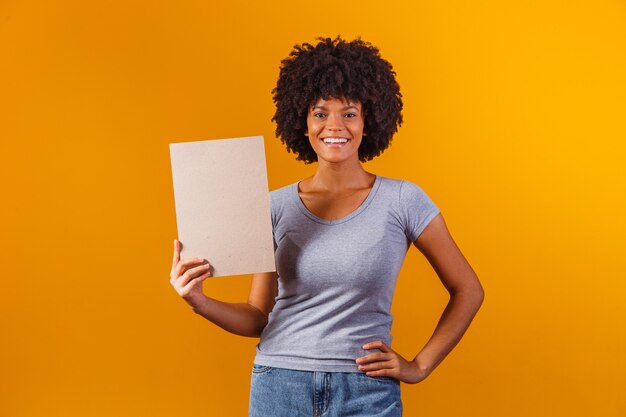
341,176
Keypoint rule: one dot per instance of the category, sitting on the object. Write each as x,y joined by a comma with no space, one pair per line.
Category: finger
382,372
379,344
375,366
176,257
196,281
372,357
185,264
182,266
193,273
182,281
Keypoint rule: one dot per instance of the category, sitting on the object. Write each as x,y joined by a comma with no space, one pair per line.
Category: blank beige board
222,204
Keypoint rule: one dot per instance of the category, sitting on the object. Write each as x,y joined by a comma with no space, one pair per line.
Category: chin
335,160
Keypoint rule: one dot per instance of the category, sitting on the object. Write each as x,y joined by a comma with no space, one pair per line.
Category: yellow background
514,125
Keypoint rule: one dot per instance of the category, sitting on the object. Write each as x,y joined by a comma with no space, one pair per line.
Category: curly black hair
338,69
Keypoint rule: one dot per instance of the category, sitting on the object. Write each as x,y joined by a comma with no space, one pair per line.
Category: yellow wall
514,125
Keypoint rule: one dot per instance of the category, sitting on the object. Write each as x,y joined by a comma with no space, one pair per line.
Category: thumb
176,257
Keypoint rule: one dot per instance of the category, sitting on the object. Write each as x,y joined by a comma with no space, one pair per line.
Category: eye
318,115
350,115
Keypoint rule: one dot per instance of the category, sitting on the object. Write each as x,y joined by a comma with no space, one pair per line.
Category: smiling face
335,129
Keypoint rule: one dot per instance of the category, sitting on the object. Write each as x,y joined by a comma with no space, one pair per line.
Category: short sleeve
273,215
416,209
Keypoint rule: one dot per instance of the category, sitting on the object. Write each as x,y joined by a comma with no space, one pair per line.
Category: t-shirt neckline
356,212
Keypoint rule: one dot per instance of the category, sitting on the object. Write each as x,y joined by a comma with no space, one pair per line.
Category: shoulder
280,197
401,188
410,191
390,184
281,192
408,196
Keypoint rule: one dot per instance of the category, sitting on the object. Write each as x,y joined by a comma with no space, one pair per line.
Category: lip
336,144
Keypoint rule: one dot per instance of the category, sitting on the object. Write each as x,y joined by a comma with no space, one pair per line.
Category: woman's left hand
389,363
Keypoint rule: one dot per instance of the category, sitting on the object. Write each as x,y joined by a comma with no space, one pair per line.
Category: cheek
314,143
312,126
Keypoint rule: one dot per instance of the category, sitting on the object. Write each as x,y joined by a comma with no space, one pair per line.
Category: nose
335,123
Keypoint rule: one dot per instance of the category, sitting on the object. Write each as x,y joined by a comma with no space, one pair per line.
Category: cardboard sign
222,204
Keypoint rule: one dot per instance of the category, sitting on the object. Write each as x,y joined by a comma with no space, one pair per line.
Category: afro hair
338,69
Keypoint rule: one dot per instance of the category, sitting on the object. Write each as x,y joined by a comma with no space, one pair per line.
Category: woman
340,238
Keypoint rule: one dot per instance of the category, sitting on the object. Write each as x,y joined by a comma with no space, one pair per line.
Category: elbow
476,292
473,294
476,288
257,325
259,328
261,318
251,331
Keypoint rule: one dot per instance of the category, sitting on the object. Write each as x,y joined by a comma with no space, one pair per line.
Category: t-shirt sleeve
274,216
416,208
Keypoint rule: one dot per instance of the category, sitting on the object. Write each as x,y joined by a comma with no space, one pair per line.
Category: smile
335,142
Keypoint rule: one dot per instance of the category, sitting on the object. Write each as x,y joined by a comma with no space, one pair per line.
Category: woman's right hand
187,276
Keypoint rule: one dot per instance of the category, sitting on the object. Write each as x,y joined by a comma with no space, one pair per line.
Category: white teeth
335,140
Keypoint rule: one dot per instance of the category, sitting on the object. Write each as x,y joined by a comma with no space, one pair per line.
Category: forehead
341,103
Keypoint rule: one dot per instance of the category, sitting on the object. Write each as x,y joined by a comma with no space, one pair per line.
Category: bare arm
244,319
466,292
466,297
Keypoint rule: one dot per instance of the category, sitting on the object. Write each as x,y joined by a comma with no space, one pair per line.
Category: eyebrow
343,108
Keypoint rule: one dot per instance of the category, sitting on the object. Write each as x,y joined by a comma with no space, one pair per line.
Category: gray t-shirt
336,278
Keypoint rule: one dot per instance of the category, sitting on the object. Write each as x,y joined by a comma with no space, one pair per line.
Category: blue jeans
279,392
